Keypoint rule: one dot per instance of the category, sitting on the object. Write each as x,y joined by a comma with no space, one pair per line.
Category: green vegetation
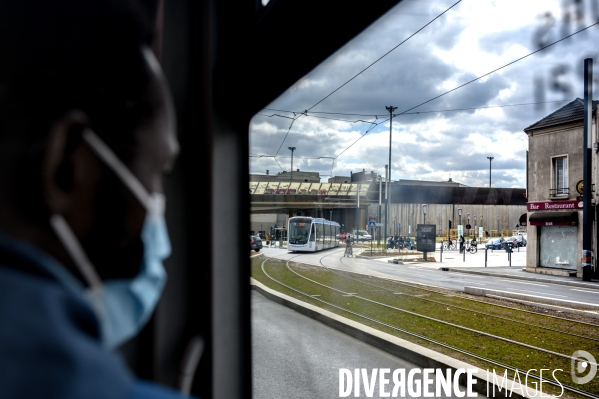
398,304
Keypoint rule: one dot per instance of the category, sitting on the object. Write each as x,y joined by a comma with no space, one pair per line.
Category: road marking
537,292
592,292
521,282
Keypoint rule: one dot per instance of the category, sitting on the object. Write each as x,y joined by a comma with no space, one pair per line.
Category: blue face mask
123,306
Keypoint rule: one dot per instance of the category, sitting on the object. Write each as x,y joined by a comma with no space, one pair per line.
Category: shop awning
553,219
522,221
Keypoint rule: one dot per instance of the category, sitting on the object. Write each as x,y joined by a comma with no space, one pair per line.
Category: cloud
468,41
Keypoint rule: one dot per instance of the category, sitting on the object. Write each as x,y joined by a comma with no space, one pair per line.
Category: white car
362,235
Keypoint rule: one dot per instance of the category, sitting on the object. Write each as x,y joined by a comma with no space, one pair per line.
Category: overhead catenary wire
359,73
473,80
407,113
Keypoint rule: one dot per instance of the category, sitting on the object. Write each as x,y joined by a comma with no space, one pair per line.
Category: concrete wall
564,140
441,214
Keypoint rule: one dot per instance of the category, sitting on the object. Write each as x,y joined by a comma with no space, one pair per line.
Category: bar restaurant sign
553,205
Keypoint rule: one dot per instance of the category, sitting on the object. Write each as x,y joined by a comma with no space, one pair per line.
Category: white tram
311,234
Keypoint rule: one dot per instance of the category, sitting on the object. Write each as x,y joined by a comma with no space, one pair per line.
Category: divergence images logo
579,367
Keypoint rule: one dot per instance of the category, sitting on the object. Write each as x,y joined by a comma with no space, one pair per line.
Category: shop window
560,176
558,247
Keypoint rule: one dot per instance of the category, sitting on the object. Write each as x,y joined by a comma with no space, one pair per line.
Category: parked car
510,240
494,243
255,243
521,240
362,235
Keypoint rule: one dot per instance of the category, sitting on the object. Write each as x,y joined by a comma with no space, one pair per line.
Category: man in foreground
86,132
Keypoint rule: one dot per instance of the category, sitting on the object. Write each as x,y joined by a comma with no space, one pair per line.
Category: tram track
476,312
355,296
420,286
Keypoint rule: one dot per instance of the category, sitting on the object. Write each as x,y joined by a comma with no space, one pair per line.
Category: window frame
565,191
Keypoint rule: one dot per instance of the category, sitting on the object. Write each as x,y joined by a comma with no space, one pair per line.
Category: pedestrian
87,130
487,233
461,243
267,239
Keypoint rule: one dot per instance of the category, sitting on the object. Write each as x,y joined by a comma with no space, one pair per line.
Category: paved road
295,356
430,273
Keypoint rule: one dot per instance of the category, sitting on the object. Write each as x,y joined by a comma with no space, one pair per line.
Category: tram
311,234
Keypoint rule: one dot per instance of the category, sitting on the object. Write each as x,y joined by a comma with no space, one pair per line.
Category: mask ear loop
107,155
76,252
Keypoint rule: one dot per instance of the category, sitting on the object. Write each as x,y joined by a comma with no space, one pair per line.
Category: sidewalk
497,266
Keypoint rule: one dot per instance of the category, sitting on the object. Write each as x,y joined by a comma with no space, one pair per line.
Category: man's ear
68,164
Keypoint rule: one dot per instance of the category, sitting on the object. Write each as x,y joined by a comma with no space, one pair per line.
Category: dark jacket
49,338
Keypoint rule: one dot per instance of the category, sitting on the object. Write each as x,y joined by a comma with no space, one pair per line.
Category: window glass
558,247
253,186
319,232
560,167
304,188
283,186
324,188
344,189
271,188
334,189
298,232
261,187
293,188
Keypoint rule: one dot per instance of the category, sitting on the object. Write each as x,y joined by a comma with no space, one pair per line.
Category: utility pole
587,214
386,201
380,195
388,196
490,159
292,149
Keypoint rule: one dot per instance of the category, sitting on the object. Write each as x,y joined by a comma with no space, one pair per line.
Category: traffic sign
371,224
468,226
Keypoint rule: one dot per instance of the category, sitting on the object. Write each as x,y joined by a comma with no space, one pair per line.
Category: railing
554,192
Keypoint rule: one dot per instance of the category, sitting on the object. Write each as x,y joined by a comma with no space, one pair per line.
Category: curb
418,355
536,279
534,298
586,313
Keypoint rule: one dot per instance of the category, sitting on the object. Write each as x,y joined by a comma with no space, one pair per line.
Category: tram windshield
299,231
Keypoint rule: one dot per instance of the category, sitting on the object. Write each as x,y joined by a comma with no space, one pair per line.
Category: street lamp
292,149
468,216
490,159
460,215
424,208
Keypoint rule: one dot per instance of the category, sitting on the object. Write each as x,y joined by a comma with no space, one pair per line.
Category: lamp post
460,215
490,159
498,226
388,196
468,216
424,209
292,149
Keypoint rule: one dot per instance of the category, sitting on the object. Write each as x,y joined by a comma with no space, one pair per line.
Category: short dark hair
59,55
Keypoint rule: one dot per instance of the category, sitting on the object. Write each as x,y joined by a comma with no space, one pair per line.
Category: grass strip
520,357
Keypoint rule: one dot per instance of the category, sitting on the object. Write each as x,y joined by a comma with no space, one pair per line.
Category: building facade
554,191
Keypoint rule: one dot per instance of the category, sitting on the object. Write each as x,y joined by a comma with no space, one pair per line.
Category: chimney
266,172
298,169
450,180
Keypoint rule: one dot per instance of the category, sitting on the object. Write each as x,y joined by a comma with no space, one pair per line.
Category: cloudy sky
471,39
